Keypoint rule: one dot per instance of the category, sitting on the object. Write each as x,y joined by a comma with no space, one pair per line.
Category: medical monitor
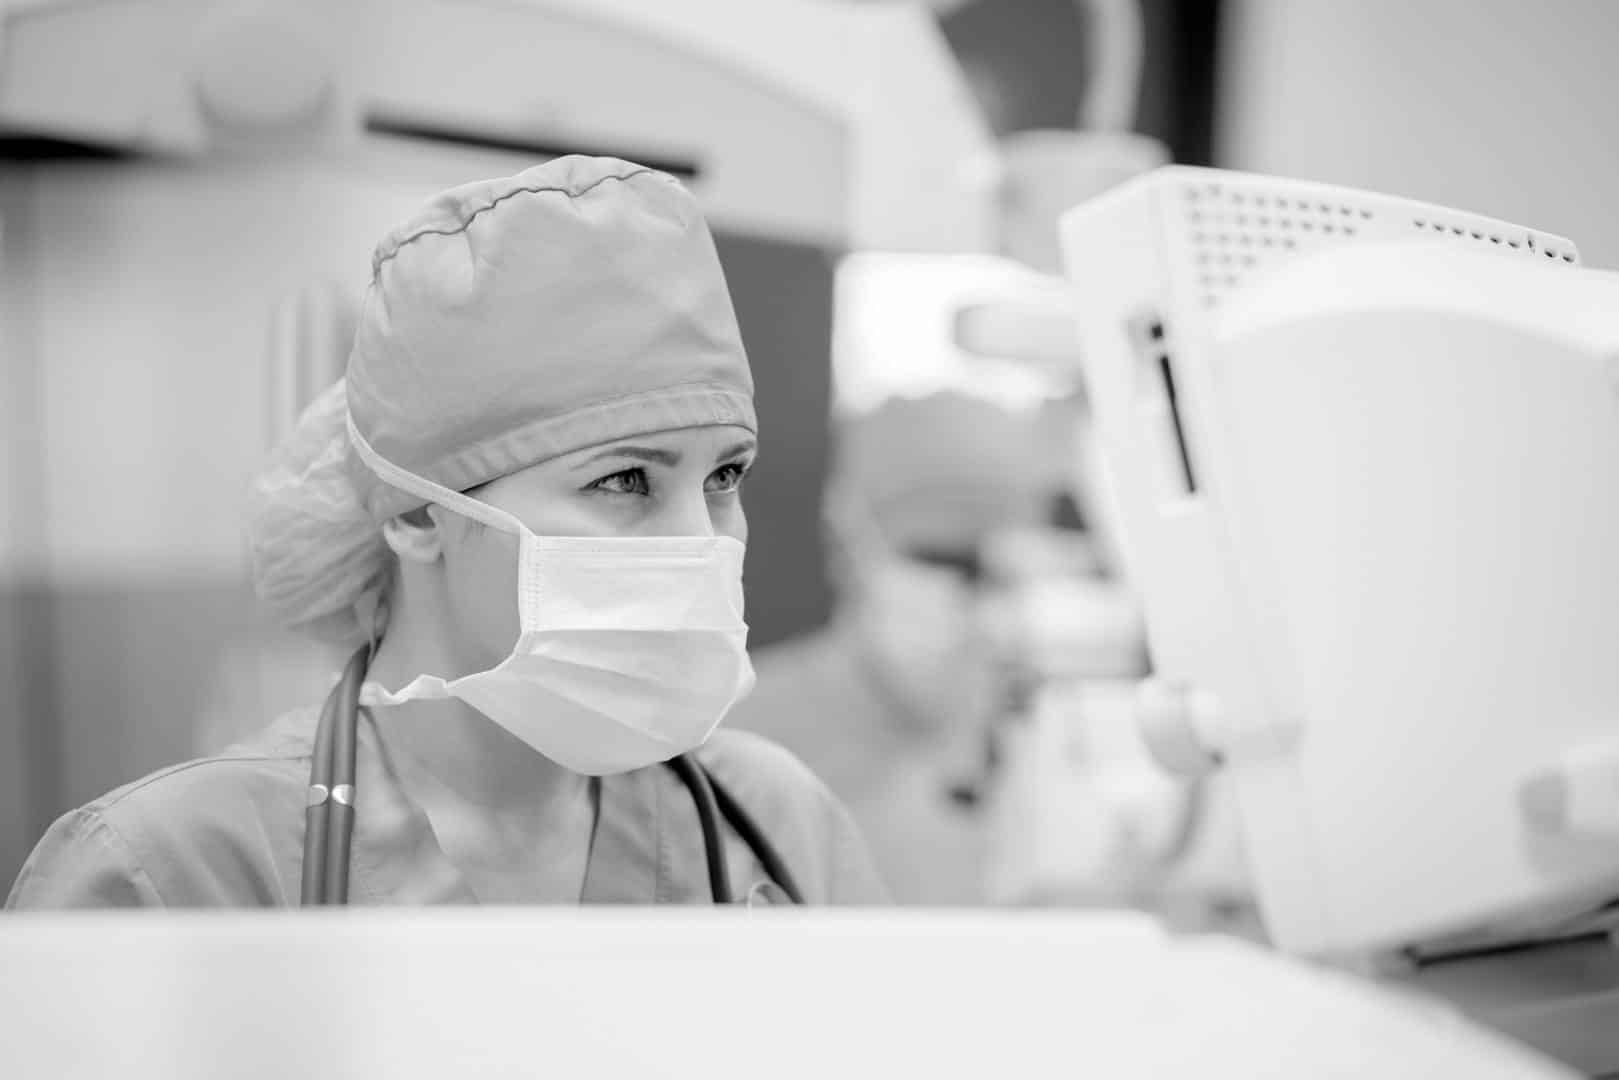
1355,549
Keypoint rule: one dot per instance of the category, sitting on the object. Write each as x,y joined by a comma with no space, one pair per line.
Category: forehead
703,445
691,439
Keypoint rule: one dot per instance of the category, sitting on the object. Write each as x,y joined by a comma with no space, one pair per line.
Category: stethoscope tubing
329,811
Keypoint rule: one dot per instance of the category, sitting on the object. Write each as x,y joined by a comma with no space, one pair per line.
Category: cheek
732,521
550,508
481,574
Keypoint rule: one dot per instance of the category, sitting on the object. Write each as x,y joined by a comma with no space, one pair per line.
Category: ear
415,537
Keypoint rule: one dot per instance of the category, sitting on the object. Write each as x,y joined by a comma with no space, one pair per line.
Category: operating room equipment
732,98
899,320
1044,171
627,992
1363,449
1146,314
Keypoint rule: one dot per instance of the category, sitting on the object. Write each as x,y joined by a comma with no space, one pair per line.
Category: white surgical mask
915,618
630,652
914,626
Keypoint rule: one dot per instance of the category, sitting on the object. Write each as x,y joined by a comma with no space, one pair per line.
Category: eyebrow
640,453
668,458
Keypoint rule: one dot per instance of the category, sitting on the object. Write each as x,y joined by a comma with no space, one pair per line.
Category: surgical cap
509,322
947,468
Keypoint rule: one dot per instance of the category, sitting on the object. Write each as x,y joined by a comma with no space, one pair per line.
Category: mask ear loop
453,501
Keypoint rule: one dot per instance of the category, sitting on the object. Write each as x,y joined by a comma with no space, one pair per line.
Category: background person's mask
915,625
630,651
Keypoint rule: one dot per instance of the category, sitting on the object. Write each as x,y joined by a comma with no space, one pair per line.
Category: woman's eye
628,482
726,479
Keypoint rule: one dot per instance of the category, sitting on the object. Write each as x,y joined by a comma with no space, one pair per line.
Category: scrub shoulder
811,829
228,830
215,831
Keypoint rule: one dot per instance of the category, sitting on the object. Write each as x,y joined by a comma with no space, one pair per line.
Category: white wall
136,317
1504,107
153,290
21,505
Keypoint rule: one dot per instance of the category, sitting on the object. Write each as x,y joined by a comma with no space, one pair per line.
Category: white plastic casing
1368,482
845,125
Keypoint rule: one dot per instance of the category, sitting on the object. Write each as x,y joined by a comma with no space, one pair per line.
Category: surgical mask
630,652
915,624
916,621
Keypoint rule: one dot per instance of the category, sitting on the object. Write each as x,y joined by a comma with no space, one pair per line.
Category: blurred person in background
1086,814
521,512
895,702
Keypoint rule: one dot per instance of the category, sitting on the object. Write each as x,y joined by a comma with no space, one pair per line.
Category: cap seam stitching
377,265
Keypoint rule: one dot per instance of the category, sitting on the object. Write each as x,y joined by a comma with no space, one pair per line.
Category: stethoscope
329,815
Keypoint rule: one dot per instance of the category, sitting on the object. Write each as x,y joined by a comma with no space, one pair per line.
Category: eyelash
642,487
736,471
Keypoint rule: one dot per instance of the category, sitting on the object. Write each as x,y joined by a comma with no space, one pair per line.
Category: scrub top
901,780
227,831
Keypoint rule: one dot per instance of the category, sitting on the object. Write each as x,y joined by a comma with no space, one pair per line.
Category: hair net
508,322
318,555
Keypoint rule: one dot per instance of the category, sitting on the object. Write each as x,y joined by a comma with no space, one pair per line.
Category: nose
689,514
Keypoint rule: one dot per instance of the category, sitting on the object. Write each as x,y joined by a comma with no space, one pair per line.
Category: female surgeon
525,497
